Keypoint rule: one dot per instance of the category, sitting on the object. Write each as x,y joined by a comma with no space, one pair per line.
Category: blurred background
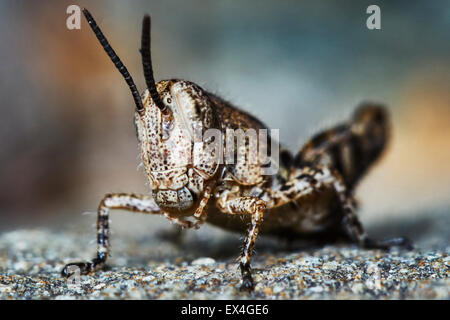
66,130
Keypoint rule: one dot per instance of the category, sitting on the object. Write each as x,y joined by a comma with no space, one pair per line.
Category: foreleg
131,202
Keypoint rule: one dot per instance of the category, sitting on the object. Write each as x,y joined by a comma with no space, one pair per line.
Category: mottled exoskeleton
311,194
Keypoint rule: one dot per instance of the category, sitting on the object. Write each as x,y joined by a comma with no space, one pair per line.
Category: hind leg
354,229
309,180
349,150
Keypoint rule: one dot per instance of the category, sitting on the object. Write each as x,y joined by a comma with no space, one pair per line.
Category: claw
247,280
85,267
247,285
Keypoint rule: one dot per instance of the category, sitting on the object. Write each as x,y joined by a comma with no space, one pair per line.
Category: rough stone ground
146,265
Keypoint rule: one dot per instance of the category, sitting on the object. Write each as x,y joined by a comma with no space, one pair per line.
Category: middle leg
255,207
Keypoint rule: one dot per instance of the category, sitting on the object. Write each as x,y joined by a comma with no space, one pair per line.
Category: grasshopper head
169,116
172,148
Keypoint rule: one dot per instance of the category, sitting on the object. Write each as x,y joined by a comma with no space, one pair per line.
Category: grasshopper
310,195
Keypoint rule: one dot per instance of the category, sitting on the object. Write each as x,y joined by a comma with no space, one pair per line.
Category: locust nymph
310,195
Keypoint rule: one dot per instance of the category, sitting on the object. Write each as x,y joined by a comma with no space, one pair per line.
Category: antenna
147,64
115,59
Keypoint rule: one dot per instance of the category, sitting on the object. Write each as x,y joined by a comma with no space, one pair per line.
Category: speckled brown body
314,212
179,125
